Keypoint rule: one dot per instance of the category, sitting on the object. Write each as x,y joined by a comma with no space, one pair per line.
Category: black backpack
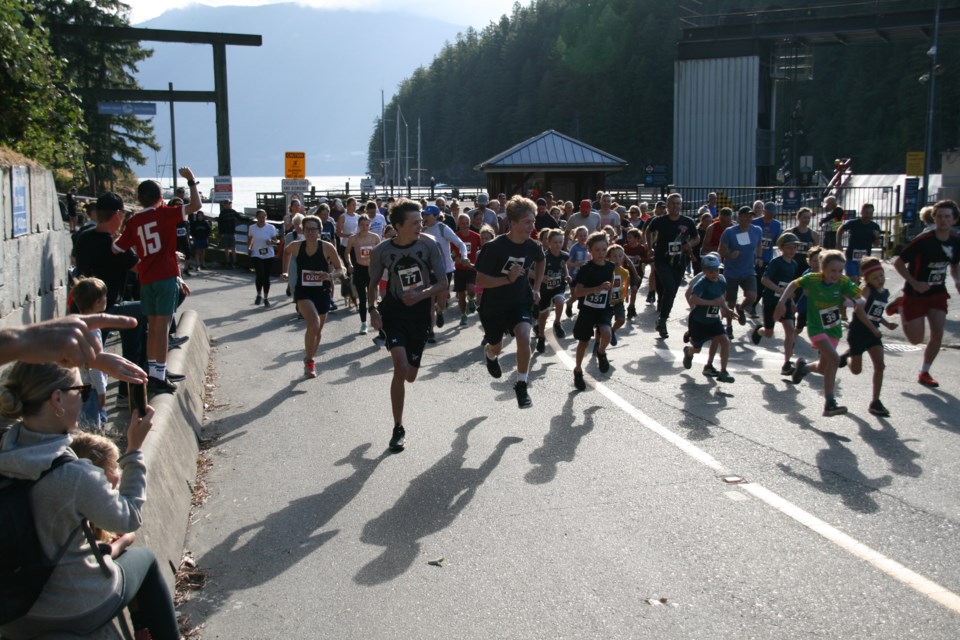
24,568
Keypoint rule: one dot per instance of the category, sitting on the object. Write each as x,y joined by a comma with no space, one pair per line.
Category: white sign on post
289,185
222,188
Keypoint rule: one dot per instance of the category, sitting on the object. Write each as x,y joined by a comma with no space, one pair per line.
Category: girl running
826,293
357,258
318,265
864,333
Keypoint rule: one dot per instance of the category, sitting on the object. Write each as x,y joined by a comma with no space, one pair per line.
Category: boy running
707,295
593,283
778,274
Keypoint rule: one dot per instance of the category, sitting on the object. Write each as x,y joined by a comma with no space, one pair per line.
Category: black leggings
262,267
361,280
668,283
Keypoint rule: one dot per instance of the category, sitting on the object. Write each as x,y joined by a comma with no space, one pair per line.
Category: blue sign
19,188
911,200
127,108
791,199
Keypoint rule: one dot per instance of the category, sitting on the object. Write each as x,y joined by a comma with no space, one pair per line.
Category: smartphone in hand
138,398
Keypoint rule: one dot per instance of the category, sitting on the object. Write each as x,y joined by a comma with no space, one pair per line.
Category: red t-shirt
153,235
472,240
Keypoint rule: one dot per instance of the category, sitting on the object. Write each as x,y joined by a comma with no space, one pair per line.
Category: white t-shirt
262,240
349,227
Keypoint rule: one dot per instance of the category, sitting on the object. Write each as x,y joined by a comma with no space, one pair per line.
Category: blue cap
431,210
710,261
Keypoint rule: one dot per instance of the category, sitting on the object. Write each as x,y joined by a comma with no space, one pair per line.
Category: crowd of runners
521,263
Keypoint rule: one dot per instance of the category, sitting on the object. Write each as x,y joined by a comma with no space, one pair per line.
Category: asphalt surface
617,512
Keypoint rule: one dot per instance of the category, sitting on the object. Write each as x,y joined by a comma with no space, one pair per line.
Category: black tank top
309,269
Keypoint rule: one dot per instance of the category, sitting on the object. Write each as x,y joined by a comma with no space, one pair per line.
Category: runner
445,237
676,236
864,334
317,266
411,261
806,235
555,279
771,228
357,258
464,274
623,275
923,264
579,256
826,292
593,283
639,255
813,266
740,251
862,235
502,270
706,295
779,273
261,240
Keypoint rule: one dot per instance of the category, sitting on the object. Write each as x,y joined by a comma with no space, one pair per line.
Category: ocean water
245,189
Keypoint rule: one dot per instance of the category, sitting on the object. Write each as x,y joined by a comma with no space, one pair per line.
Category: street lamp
931,80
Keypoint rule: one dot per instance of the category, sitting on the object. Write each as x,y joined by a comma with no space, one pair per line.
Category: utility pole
934,70
173,140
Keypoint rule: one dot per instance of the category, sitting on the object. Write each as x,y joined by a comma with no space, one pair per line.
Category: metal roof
552,150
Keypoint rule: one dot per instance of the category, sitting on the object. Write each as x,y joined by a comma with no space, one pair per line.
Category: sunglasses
84,390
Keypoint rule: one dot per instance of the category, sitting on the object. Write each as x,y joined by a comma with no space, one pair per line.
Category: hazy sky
476,13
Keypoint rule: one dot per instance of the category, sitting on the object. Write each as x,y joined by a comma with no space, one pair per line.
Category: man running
740,250
676,234
503,270
411,261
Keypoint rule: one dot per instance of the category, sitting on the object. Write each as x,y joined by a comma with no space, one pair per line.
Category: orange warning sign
295,165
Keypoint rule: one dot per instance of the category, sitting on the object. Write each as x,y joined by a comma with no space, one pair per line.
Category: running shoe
471,304
602,363
831,408
541,345
266,302
843,359
723,376
710,371
258,301
651,297
893,308
431,337
877,409
398,440
558,331
927,380
686,338
569,311
578,381
363,328
662,329
333,307
175,377
439,319
730,331
755,336
631,311
687,357
175,341
787,369
741,314
309,369
523,400
380,340
156,385
463,319
493,366
613,339
800,371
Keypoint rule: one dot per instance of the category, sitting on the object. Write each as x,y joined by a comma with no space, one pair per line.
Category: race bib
673,248
410,278
765,243
469,249
743,239
875,312
782,285
830,317
615,292
596,300
553,281
264,251
311,278
181,232
509,264
859,253
325,236
365,252
803,247
713,312
938,273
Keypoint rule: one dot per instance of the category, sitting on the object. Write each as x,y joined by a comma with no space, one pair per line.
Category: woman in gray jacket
80,595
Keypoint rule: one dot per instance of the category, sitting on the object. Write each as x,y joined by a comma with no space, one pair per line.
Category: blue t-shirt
771,231
707,290
747,243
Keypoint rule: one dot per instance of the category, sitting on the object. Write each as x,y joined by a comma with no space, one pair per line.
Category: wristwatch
192,183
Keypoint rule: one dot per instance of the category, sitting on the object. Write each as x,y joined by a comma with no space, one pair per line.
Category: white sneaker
363,328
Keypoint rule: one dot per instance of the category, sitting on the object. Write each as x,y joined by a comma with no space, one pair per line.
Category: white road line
939,594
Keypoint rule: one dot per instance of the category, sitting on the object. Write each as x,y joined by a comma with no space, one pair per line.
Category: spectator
227,229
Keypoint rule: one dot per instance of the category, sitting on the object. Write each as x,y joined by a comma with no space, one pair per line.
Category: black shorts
406,327
547,296
319,296
703,332
462,278
861,340
499,321
588,319
770,305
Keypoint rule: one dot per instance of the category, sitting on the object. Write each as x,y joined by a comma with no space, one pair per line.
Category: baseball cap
431,210
483,199
770,206
109,201
585,205
710,261
787,238
660,203
542,201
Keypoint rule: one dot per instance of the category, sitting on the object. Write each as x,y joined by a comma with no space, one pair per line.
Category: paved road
572,519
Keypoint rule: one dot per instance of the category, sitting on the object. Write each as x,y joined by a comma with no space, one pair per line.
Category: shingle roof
553,150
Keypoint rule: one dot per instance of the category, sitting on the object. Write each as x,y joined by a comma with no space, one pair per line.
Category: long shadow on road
560,442
431,503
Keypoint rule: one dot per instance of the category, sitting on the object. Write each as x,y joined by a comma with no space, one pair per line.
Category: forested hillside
602,71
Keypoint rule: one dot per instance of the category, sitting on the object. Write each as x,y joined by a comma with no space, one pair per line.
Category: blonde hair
27,386
831,255
101,451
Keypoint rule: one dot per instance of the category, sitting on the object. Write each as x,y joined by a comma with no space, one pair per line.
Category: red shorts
917,306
